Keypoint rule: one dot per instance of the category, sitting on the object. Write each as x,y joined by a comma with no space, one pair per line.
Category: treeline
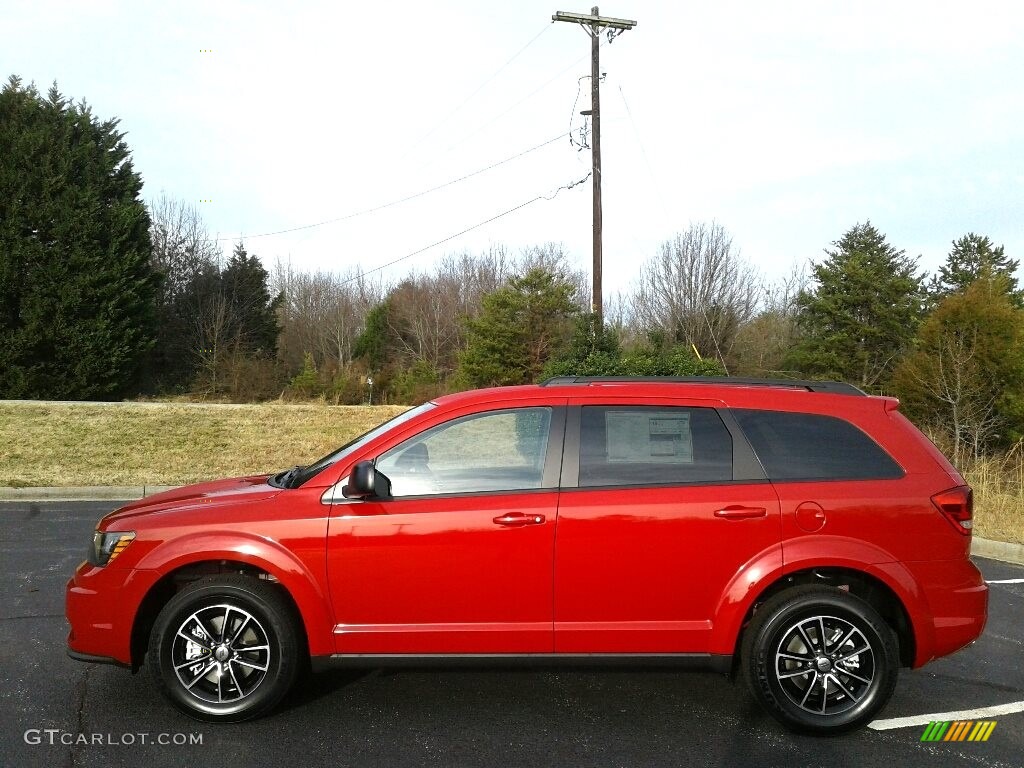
102,296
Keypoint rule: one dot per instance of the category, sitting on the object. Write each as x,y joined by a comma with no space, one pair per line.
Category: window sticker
649,436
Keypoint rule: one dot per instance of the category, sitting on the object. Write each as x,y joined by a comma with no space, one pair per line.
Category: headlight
106,545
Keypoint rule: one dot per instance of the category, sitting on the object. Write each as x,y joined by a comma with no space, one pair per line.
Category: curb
997,550
83,493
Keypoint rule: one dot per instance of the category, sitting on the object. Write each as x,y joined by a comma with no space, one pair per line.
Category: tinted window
804,446
622,446
493,451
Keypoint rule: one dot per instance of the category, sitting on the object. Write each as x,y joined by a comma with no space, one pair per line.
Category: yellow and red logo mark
958,730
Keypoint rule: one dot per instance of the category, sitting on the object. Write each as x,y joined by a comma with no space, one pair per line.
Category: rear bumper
953,607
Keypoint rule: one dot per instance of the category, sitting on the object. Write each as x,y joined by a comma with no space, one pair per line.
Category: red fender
292,573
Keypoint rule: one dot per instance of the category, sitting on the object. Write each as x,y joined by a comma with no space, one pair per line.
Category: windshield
319,465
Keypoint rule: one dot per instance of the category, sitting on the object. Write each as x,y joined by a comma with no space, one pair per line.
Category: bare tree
476,275
182,247
553,258
211,323
322,313
954,376
697,291
183,253
762,343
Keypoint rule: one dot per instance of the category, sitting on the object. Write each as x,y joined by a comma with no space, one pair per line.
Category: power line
572,117
401,200
657,191
500,115
479,88
538,198
643,152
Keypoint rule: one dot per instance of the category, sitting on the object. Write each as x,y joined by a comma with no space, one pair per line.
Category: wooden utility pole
593,25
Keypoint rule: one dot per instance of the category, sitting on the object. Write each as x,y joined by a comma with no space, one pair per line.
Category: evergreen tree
595,351
375,343
972,257
252,312
965,378
520,327
862,313
77,291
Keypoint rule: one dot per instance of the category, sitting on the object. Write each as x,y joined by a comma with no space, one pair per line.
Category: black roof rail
831,387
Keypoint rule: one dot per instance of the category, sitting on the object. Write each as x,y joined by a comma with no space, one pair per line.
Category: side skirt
704,662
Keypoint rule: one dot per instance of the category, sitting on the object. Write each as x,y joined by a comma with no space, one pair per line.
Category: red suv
801,532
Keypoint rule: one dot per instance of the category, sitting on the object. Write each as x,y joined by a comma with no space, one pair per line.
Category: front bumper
92,659
100,605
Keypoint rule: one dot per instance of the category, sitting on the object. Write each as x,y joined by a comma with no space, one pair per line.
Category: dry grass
998,485
60,444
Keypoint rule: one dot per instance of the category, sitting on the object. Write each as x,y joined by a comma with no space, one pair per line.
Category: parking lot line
963,714
1005,581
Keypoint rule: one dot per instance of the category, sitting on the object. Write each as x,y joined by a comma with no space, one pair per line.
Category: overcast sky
786,122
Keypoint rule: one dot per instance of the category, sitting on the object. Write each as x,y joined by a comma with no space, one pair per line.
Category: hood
233,491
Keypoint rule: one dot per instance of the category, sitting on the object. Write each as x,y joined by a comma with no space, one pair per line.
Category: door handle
517,519
741,513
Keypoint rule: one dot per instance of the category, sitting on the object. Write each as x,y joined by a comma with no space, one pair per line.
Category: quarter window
492,451
807,446
630,446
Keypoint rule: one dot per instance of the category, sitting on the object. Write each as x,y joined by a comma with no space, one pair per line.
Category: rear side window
806,446
630,446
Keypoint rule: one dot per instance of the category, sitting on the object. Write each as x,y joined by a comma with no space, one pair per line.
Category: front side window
493,451
352,446
630,446
808,446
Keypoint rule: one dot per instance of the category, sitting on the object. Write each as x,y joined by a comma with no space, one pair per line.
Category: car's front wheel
225,648
820,660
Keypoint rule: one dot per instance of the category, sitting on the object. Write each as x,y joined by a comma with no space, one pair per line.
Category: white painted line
1005,581
963,714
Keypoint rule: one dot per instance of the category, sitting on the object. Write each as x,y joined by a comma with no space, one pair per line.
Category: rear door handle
737,512
517,519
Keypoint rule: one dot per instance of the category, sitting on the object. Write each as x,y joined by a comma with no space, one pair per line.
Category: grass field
59,444
998,485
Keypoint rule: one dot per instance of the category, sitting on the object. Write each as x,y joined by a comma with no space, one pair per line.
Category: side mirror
366,481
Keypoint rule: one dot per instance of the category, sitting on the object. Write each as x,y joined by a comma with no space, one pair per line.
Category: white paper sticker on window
649,437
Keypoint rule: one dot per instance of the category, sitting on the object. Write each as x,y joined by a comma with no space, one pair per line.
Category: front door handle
516,519
737,512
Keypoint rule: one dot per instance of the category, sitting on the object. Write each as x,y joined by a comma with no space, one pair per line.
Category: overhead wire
524,99
479,88
418,251
661,199
643,153
405,199
572,116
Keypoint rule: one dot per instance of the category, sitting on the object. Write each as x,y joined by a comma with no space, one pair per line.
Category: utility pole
593,26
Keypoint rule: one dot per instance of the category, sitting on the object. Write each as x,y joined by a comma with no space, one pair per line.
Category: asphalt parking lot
468,717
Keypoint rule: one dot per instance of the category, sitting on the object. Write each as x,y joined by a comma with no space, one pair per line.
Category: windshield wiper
284,479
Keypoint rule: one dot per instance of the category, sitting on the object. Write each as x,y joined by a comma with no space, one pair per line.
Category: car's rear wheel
225,648
820,660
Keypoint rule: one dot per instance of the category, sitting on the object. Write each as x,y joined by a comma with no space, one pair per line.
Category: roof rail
831,387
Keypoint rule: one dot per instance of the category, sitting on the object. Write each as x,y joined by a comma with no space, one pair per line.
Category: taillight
957,504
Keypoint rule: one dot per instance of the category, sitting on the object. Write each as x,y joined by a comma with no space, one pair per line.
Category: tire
240,635
811,689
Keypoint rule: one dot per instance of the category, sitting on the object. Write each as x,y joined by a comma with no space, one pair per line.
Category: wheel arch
869,587
184,561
